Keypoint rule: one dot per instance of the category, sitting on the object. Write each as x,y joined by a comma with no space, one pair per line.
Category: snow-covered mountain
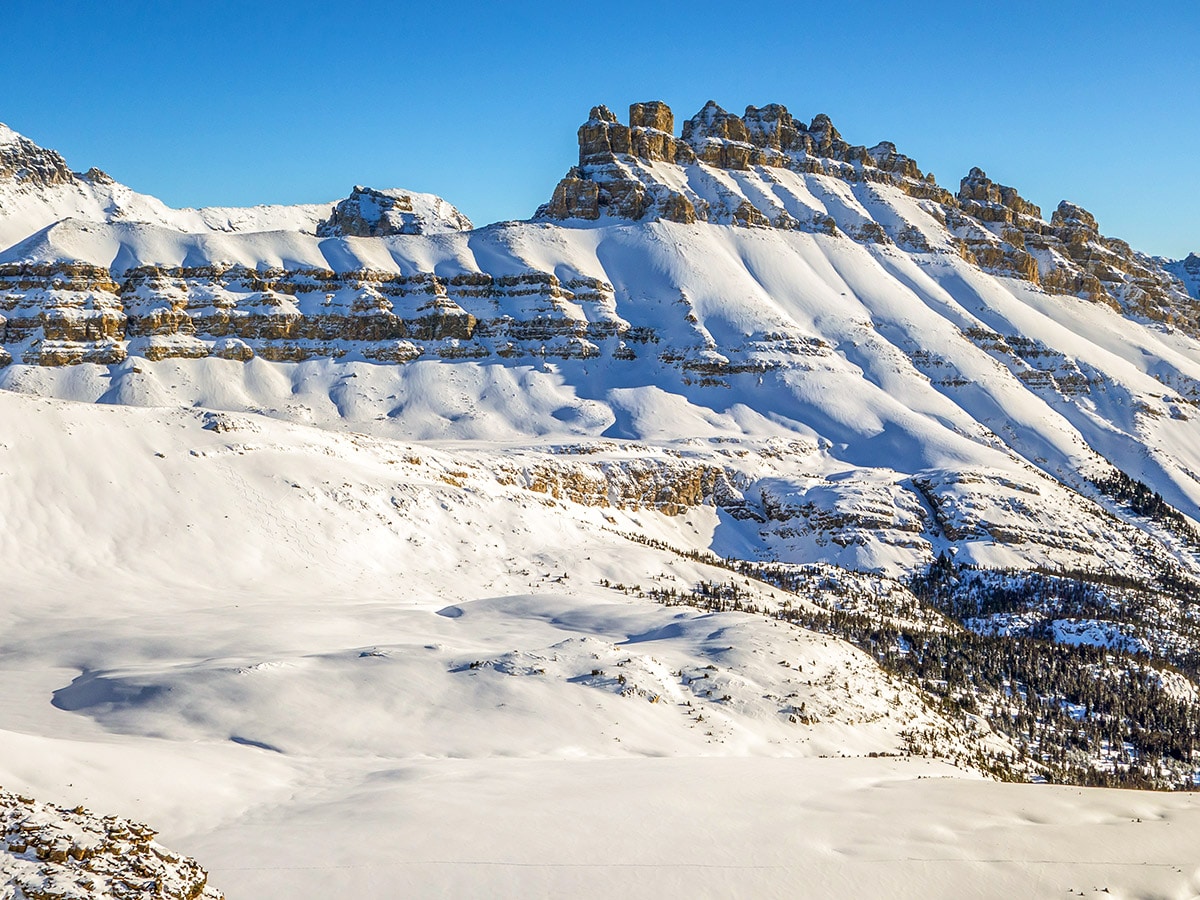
1188,271
38,190
933,358
750,442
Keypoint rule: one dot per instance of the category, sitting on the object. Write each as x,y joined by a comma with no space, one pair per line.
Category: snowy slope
37,189
343,522
870,339
881,361
242,629
264,637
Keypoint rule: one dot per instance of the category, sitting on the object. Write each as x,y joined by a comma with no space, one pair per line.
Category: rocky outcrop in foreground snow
50,853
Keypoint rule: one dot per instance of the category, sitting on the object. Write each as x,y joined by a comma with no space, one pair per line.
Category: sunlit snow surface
323,667
334,647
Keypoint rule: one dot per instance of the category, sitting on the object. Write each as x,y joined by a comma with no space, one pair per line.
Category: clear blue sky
207,103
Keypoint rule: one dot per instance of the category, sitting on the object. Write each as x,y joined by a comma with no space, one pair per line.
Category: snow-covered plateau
759,518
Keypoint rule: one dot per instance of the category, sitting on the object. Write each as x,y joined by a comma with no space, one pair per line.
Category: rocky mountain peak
1187,270
823,125
601,136
991,202
654,114
1072,216
368,212
602,113
989,224
610,178
98,176
772,126
714,122
651,132
767,135
24,162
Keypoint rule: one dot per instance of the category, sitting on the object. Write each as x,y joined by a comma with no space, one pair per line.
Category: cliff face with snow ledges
945,356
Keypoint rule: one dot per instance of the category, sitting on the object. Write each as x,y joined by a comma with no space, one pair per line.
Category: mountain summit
39,190
753,170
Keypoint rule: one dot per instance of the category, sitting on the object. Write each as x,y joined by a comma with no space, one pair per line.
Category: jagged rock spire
762,136
991,202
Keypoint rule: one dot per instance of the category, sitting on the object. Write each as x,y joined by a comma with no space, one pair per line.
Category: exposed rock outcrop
23,161
575,198
987,201
67,314
613,156
371,213
669,487
51,853
991,224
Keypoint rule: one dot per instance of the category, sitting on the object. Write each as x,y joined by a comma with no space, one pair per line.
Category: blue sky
253,102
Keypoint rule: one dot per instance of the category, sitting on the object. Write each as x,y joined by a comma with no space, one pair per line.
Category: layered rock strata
666,487
620,175
71,313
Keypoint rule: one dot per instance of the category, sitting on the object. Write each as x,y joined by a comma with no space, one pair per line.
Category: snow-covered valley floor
327,665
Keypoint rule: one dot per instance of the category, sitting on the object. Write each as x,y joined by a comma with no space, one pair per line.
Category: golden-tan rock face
72,854
767,136
68,314
24,162
991,225
1067,255
667,487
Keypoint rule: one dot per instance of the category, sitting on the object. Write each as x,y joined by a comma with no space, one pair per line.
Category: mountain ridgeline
97,297
989,224
838,361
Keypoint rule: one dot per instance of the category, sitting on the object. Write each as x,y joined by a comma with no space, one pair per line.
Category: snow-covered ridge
38,189
1188,271
371,213
766,169
879,334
